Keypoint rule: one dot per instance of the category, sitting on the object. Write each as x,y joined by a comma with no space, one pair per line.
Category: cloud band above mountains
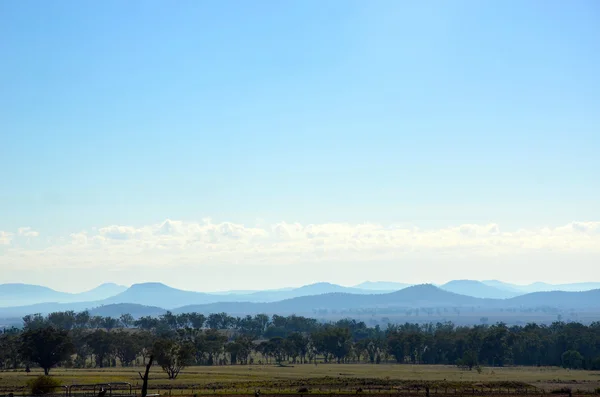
178,242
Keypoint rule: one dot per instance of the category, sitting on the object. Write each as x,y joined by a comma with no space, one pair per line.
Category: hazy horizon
263,145
80,289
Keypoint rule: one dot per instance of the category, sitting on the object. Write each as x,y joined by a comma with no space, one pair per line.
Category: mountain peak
464,281
19,286
320,284
424,287
108,285
150,285
381,285
477,289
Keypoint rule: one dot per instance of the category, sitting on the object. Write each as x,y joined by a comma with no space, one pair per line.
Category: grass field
336,378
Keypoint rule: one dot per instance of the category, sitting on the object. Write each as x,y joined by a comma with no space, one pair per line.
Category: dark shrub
562,390
43,385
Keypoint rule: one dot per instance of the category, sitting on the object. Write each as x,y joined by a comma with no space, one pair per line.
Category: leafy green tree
96,322
211,342
109,323
82,319
262,321
127,320
219,321
275,347
32,321
183,320
169,319
82,350
495,349
297,346
102,345
572,359
173,355
46,346
374,346
233,348
469,360
10,356
127,347
239,350
146,323
333,342
396,347
249,326
197,320
145,340
62,320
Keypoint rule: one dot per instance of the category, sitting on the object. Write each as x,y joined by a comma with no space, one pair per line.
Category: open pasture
323,378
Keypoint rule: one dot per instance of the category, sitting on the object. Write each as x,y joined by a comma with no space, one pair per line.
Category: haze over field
459,301
158,294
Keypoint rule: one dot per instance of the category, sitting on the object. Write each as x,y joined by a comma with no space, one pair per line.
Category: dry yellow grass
240,377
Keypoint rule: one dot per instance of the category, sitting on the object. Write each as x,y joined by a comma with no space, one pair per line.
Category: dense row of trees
176,341
71,319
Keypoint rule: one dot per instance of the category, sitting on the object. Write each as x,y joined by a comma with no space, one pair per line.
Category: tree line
70,339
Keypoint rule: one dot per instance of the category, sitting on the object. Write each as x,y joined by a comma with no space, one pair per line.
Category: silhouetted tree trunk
145,377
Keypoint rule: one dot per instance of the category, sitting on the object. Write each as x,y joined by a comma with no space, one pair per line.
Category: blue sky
420,114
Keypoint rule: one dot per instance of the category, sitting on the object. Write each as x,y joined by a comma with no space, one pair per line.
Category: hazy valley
460,301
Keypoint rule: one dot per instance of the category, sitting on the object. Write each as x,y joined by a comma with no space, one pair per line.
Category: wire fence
338,392
124,389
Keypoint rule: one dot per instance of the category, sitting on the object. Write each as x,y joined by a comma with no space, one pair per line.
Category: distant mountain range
478,289
425,295
27,294
156,298
495,289
161,295
542,287
117,309
382,286
560,299
419,296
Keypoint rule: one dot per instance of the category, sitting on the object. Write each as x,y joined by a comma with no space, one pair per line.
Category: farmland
324,378
286,355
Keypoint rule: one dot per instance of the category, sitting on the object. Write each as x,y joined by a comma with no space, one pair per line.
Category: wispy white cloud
5,237
27,232
178,243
